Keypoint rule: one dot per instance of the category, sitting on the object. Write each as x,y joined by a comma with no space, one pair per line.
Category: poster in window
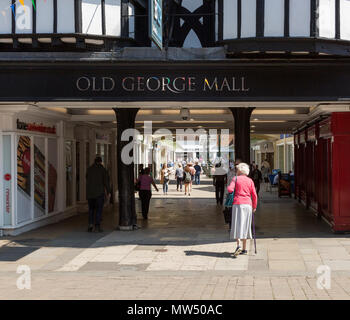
39,178
23,164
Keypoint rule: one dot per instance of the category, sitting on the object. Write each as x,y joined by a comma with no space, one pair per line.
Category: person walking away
145,181
244,206
97,188
193,172
219,181
165,177
265,171
187,179
256,176
179,176
197,176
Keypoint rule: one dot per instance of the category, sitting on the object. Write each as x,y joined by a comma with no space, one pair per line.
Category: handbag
228,204
138,185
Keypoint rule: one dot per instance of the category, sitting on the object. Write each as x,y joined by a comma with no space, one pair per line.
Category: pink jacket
245,191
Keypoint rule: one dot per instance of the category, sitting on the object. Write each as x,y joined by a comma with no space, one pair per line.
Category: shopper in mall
244,205
145,181
179,176
97,189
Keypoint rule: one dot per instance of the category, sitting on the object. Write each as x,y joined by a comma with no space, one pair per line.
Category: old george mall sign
162,84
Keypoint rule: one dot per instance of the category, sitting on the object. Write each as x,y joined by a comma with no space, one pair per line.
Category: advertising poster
39,178
23,164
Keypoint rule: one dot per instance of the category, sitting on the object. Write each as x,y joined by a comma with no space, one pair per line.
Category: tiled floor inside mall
182,251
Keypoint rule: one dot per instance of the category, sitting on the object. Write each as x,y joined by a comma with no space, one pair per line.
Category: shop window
24,181
39,177
7,182
52,175
69,173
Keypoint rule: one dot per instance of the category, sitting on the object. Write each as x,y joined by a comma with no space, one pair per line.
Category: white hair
244,168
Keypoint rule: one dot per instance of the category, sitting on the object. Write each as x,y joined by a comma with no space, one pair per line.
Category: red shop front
322,170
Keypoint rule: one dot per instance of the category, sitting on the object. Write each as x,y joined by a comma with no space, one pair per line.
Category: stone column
242,133
127,212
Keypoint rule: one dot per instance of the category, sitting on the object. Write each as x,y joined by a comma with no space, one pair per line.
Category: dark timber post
242,133
127,212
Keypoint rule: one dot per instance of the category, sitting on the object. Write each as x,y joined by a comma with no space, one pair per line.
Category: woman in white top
165,178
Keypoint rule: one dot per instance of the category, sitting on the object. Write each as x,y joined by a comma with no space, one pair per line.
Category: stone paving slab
182,252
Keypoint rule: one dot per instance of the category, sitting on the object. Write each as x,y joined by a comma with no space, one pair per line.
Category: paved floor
181,252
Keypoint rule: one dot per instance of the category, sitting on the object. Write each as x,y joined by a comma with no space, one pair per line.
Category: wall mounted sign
173,81
7,177
176,85
156,22
35,127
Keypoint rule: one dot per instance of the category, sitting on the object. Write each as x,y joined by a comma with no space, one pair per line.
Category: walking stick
254,235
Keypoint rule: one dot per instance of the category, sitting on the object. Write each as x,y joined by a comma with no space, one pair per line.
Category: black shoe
145,217
98,228
237,252
244,252
91,227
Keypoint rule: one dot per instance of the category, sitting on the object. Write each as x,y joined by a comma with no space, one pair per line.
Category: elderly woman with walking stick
244,205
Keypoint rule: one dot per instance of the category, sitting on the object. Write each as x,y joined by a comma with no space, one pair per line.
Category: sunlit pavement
182,251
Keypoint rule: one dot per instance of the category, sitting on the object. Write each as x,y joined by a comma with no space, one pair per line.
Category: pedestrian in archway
244,206
145,181
219,181
256,176
193,172
187,179
97,189
197,176
165,178
179,176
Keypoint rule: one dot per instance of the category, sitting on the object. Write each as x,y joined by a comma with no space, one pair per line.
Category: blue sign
156,22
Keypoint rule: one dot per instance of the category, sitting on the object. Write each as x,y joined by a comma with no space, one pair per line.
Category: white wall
344,19
24,17
65,16
44,16
248,18
274,18
113,11
230,19
5,17
192,5
299,18
327,18
92,16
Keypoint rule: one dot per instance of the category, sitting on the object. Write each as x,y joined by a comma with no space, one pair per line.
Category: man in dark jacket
97,187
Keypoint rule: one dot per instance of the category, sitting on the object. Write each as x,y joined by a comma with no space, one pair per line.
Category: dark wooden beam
126,192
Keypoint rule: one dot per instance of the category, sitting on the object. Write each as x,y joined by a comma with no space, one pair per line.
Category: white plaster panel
248,19
230,19
65,16
344,19
113,17
274,18
24,17
44,16
327,18
192,41
192,5
92,16
5,17
299,18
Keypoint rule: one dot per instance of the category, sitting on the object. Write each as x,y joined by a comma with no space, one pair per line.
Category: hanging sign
156,22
